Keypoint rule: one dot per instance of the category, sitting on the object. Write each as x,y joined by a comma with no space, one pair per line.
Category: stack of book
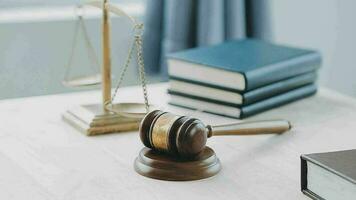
241,78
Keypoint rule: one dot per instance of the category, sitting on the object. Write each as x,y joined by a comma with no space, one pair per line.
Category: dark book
242,65
329,175
237,111
221,95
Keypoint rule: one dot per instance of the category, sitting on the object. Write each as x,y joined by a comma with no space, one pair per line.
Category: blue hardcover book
237,111
242,65
227,96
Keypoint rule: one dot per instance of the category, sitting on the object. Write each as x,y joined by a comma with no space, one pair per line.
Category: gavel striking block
176,145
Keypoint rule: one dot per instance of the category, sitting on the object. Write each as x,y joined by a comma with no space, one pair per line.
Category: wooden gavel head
179,135
187,136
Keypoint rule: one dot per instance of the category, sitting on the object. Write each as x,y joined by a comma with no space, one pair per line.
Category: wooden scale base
156,165
93,120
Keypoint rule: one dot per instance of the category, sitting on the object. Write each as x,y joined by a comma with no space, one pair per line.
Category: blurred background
36,37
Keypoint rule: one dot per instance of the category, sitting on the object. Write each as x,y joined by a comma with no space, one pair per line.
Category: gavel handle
251,128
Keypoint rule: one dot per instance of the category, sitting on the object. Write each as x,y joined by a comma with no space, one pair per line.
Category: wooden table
41,157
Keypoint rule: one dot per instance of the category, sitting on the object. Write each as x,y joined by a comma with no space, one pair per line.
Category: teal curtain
174,25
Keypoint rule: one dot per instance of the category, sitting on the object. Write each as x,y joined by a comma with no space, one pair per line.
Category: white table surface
41,157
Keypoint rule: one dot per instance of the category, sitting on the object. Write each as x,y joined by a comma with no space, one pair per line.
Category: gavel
186,136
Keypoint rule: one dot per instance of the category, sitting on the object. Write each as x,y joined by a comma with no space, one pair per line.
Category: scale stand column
106,67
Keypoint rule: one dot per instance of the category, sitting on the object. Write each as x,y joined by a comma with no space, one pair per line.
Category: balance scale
107,117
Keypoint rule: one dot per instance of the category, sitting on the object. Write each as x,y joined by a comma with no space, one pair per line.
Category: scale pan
132,110
83,81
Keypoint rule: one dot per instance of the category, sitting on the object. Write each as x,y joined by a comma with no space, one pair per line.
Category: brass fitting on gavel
187,136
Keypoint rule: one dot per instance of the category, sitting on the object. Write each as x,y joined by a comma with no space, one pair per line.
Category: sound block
161,166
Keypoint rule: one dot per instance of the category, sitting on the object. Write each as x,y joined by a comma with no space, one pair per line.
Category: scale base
156,165
93,120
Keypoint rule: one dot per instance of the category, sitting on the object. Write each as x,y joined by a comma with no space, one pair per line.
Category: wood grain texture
42,157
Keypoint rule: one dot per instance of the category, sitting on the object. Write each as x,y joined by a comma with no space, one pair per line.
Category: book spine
304,179
277,88
303,173
278,100
282,70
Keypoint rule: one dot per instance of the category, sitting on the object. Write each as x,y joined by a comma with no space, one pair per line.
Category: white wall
35,47
326,25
